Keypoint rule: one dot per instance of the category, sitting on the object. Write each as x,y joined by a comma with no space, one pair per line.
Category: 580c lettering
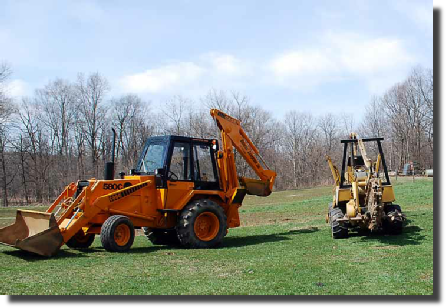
112,186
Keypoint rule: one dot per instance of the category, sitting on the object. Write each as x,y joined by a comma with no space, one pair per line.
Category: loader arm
87,209
233,136
44,233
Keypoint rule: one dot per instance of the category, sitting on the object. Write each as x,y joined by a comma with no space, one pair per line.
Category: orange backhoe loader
183,190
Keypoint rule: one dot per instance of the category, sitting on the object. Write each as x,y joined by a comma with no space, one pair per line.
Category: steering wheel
172,176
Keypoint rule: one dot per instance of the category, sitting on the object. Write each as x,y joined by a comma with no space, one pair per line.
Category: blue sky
311,56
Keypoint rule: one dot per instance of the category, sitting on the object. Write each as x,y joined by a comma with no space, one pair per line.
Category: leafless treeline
62,133
405,116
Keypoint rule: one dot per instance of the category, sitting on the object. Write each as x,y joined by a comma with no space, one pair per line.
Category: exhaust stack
109,172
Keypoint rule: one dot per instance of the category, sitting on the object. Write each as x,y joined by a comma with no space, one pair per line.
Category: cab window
153,158
203,167
180,162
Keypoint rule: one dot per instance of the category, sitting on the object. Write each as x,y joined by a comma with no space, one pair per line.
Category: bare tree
57,103
330,129
348,123
218,100
37,149
5,101
408,107
301,137
91,93
175,112
130,116
66,122
6,111
374,122
5,73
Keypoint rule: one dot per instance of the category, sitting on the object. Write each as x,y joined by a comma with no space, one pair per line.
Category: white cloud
339,57
362,56
224,63
163,78
302,69
421,12
302,63
17,88
210,69
378,62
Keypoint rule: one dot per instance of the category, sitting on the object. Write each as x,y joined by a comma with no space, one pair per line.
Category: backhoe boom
233,135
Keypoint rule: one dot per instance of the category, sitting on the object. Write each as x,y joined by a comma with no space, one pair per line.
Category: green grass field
284,246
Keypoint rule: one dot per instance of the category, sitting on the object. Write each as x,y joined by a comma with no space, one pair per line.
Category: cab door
179,174
205,166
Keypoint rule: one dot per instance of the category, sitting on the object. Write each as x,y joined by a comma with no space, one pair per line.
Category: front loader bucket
33,231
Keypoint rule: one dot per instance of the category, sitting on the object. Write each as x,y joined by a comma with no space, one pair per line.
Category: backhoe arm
233,135
334,171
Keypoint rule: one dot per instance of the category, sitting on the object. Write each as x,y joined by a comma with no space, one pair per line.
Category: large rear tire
202,224
338,230
117,233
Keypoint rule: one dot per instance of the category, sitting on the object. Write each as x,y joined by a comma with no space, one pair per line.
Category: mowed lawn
284,246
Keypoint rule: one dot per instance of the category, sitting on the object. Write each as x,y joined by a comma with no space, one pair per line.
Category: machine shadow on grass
243,241
71,253
410,236
229,242
32,257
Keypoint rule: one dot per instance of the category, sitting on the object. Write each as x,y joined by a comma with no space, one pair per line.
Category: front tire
117,234
338,230
202,224
327,218
80,240
395,226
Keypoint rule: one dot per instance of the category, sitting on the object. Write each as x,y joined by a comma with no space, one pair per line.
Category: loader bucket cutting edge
33,231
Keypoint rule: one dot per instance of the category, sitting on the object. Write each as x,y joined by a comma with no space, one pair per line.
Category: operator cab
357,165
359,168
178,159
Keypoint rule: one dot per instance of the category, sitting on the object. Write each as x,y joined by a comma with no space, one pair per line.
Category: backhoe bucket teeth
33,231
256,187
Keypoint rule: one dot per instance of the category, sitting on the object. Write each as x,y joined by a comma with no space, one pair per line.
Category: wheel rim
206,226
122,234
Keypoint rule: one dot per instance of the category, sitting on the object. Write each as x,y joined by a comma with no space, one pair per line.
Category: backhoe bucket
256,187
33,231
